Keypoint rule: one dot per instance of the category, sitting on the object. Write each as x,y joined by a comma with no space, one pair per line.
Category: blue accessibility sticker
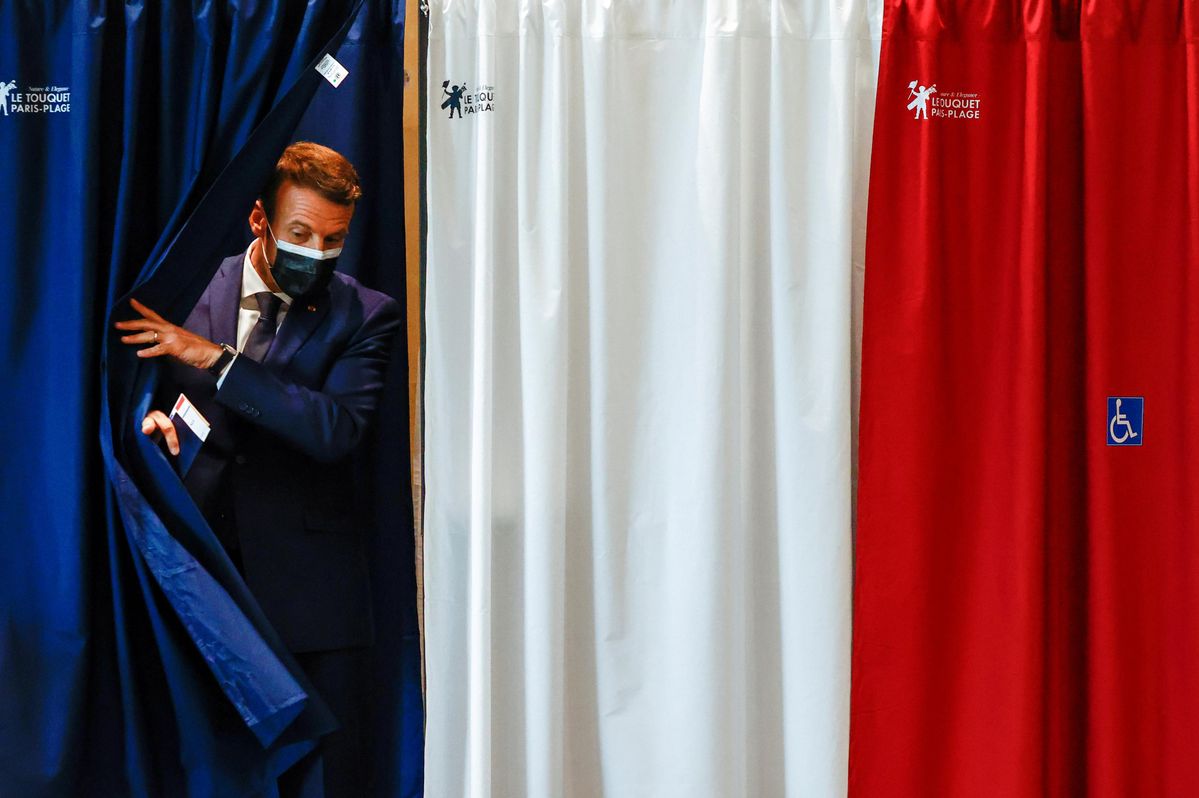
1125,420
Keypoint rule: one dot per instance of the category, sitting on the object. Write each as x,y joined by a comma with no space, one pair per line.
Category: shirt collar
252,283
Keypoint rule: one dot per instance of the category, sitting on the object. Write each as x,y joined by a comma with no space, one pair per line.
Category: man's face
303,217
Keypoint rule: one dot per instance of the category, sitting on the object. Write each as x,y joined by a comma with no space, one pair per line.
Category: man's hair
313,166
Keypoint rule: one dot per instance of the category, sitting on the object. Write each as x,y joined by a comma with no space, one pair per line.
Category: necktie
263,334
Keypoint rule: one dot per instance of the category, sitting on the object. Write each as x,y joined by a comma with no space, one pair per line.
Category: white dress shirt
247,312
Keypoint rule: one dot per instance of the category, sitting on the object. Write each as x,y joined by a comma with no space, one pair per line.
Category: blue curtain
132,659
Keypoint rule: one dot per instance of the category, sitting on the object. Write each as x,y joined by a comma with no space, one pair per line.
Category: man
285,358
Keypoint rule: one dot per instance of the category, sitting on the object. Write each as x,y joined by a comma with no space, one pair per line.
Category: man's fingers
168,432
159,419
137,324
145,311
139,338
152,351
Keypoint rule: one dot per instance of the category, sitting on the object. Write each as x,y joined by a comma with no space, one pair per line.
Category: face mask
300,270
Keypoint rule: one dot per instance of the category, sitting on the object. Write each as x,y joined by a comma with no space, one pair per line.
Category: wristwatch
227,354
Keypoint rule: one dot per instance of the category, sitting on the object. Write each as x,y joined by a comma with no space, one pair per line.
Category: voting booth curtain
645,233
1027,596
133,661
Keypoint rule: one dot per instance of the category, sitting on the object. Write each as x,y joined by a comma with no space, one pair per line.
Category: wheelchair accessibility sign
1125,420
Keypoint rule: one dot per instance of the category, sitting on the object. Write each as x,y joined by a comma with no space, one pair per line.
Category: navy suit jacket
282,435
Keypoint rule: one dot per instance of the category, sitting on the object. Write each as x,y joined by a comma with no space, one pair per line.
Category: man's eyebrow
299,223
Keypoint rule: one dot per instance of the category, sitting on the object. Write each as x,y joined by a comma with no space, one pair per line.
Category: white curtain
645,248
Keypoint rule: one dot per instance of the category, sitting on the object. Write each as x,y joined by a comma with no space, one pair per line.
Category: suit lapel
224,300
303,317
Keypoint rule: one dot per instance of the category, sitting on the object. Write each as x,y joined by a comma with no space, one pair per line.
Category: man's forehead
296,225
293,199
334,217
303,220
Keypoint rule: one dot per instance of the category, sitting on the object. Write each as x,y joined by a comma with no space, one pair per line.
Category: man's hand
167,339
158,421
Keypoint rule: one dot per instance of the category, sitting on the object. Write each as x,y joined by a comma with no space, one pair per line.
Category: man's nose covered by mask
301,270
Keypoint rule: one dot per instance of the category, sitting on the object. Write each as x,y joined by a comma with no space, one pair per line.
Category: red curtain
1027,594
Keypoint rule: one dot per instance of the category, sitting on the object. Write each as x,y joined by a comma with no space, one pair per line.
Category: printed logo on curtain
458,101
33,99
929,103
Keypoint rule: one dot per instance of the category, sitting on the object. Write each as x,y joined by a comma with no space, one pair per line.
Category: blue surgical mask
301,270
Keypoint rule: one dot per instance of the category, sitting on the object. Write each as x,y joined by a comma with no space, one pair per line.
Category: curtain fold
1025,609
645,238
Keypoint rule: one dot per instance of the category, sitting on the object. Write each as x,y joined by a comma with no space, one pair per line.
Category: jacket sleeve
325,424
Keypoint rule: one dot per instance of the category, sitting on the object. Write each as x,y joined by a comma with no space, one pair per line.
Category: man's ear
257,218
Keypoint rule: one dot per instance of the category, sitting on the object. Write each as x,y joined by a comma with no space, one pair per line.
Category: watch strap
227,354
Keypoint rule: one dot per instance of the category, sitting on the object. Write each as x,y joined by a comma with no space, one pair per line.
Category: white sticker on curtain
333,72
